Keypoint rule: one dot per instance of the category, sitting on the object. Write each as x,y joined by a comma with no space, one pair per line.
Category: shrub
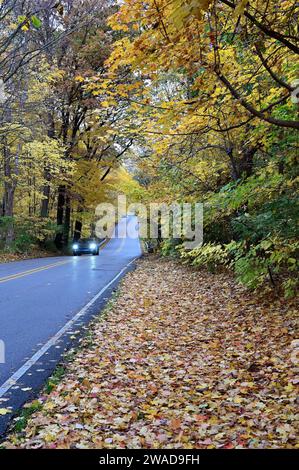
27,232
169,247
210,255
272,259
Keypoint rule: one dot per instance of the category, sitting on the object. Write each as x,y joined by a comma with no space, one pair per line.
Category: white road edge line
22,370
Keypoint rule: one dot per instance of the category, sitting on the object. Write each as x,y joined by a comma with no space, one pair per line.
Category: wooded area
197,98
57,146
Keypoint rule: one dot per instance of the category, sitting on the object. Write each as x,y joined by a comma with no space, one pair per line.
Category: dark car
86,246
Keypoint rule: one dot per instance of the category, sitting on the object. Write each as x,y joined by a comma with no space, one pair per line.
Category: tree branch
273,74
253,110
263,27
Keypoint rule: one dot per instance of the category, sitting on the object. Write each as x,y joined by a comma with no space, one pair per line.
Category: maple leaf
142,385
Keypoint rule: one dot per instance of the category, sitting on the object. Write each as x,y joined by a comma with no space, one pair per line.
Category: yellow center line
12,277
32,271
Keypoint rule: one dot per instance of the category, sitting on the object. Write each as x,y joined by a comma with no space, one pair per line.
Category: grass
24,415
55,378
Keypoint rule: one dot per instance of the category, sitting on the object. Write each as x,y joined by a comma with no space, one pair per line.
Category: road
45,302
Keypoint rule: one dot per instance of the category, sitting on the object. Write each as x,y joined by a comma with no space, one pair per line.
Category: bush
5,225
169,247
27,233
210,255
273,257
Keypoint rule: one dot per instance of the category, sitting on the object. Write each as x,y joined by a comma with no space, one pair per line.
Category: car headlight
92,246
75,246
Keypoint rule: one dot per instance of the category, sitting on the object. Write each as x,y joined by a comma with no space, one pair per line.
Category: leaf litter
182,359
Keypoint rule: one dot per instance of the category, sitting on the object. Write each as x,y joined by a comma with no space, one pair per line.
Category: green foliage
28,233
210,255
290,287
55,379
170,247
251,226
270,258
26,22
24,416
37,23
251,271
255,222
5,223
277,216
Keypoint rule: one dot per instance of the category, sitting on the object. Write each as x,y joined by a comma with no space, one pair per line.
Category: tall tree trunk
67,220
47,174
44,212
78,224
60,216
9,195
8,199
63,214
78,230
246,162
234,168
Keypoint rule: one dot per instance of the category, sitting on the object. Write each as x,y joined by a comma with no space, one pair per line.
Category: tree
209,84
55,50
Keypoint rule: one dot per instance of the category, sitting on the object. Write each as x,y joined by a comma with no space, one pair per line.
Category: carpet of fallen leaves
183,359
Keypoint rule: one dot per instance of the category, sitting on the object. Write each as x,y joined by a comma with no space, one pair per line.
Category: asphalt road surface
45,303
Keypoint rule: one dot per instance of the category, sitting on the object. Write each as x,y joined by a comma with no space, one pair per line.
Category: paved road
42,303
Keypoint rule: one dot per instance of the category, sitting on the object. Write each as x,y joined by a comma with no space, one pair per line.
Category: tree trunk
78,225
78,230
67,220
9,185
246,163
44,212
9,196
47,175
60,216
234,168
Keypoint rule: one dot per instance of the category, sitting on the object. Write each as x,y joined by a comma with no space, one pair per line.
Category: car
86,246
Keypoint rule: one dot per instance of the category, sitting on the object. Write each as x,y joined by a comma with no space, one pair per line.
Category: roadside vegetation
214,88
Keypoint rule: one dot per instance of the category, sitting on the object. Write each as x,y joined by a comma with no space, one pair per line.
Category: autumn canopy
161,100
